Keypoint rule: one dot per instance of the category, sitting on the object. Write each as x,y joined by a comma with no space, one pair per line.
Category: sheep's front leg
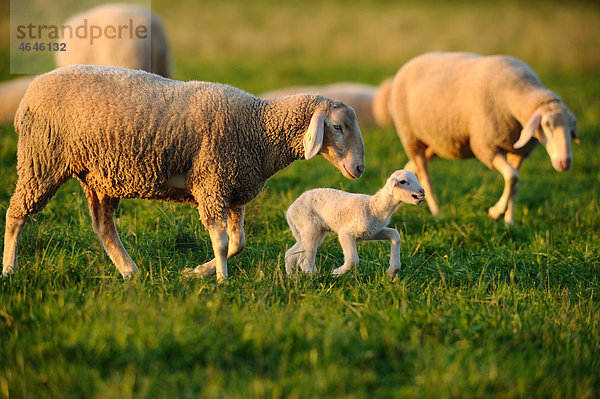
393,237
505,204
237,241
348,243
218,237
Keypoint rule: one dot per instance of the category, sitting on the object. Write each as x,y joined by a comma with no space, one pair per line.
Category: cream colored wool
132,134
462,105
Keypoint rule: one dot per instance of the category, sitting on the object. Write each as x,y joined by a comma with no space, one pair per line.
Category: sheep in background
369,102
354,217
149,55
131,134
460,105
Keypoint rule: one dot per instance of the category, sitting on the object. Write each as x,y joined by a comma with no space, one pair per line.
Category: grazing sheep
353,216
460,105
131,134
134,53
369,102
124,52
11,93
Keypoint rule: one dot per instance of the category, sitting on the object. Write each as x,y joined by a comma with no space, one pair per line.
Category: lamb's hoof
7,271
338,272
392,273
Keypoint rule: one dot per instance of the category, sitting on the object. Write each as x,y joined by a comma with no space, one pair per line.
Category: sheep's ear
313,138
529,130
574,136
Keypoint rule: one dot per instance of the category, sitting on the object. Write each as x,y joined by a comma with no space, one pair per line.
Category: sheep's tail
11,93
381,104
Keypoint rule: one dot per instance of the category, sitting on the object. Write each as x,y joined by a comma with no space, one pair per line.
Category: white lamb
353,216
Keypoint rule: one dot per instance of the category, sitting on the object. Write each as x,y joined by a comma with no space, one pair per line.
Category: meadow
479,309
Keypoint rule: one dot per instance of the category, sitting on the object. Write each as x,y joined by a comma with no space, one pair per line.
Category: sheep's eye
337,127
402,181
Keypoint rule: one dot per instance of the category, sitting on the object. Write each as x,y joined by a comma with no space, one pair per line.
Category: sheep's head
334,133
404,187
553,126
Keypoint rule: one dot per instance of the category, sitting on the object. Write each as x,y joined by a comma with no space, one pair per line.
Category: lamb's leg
511,177
419,161
393,237
348,243
291,259
237,240
102,210
217,229
310,241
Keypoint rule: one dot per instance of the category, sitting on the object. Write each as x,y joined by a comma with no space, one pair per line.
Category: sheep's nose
565,164
359,170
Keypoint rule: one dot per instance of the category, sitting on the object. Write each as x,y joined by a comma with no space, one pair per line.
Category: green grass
478,310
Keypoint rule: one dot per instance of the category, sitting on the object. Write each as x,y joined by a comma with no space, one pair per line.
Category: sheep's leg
393,237
348,243
237,241
217,230
515,161
102,210
29,198
14,226
511,177
291,259
419,161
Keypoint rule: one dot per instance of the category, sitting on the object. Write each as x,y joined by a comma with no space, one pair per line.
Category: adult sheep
131,134
494,108
369,102
150,54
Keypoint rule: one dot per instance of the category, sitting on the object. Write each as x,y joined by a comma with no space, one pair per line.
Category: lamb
353,216
131,134
369,102
149,55
494,108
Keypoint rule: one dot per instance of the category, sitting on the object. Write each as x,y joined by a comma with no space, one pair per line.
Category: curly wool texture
125,133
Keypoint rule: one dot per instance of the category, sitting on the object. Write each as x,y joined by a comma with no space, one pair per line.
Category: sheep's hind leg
506,201
29,198
102,210
348,244
418,163
237,241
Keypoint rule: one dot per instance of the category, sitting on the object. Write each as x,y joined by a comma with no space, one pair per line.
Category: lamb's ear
313,138
529,129
391,184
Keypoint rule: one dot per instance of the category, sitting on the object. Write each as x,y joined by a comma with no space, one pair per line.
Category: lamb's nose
422,192
565,164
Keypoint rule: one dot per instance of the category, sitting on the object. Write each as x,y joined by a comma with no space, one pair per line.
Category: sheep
11,93
148,54
124,52
131,134
494,108
369,102
354,217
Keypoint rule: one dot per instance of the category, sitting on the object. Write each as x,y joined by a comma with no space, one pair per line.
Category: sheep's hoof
494,213
392,273
202,271
340,271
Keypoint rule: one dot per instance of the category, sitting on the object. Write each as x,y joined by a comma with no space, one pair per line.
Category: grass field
479,310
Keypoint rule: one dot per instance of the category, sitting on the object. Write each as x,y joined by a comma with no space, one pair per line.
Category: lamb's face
557,129
342,141
404,187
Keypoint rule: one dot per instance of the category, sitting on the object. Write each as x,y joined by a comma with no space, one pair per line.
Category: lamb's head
404,187
554,126
334,133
